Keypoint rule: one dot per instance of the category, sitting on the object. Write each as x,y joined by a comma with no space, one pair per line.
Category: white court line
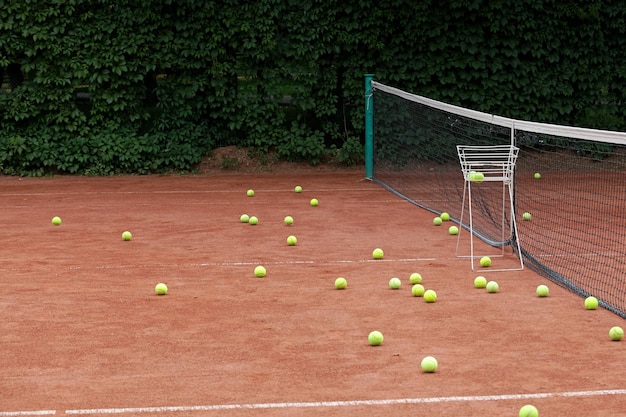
337,261
356,403
317,404
178,192
615,254
232,263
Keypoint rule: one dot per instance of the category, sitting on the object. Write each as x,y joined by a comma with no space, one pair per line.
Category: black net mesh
577,229
415,156
576,236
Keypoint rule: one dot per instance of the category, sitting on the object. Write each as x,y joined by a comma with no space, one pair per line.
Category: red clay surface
82,331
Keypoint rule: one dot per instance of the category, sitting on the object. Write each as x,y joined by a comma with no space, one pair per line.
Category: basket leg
503,225
514,234
471,224
467,196
458,238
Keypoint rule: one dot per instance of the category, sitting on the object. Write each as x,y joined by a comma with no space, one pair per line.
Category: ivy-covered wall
137,86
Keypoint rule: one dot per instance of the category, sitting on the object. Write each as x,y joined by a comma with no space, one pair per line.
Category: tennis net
576,233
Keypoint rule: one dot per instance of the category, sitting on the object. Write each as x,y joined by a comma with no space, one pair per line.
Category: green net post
369,127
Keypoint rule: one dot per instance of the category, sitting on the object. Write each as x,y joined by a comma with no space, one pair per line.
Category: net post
369,127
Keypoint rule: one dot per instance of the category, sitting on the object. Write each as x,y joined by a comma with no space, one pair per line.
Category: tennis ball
56,220
542,290
430,296
492,287
537,175
260,271
375,338
477,177
528,411
288,220
395,283
292,240
445,217
127,235
480,282
253,220
244,218
160,289
616,333
415,278
591,303
437,221
378,253
429,364
298,189
250,193
485,261
417,290
314,202
341,283
526,216
453,230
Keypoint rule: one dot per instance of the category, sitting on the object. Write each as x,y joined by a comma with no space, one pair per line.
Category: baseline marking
321,404
27,413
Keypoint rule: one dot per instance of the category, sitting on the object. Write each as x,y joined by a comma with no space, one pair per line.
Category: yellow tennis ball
480,282
537,175
250,193
56,220
341,283
485,261
298,189
417,290
378,253
528,411
253,220
288,220
527,216
453,230
127,235
395,283
542,290
429,364
244,218
430,296
160,289
260,271
616,333
492,287
375,338
437,221
415,278
314,202
445,216
292,240
476,176
591,303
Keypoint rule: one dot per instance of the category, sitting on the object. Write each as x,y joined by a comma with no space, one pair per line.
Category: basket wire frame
490,164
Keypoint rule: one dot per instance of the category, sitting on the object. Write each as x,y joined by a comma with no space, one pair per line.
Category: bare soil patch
240,160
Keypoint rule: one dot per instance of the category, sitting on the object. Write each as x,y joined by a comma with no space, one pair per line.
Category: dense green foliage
140,86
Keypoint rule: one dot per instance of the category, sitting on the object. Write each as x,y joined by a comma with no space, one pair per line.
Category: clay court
83,333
